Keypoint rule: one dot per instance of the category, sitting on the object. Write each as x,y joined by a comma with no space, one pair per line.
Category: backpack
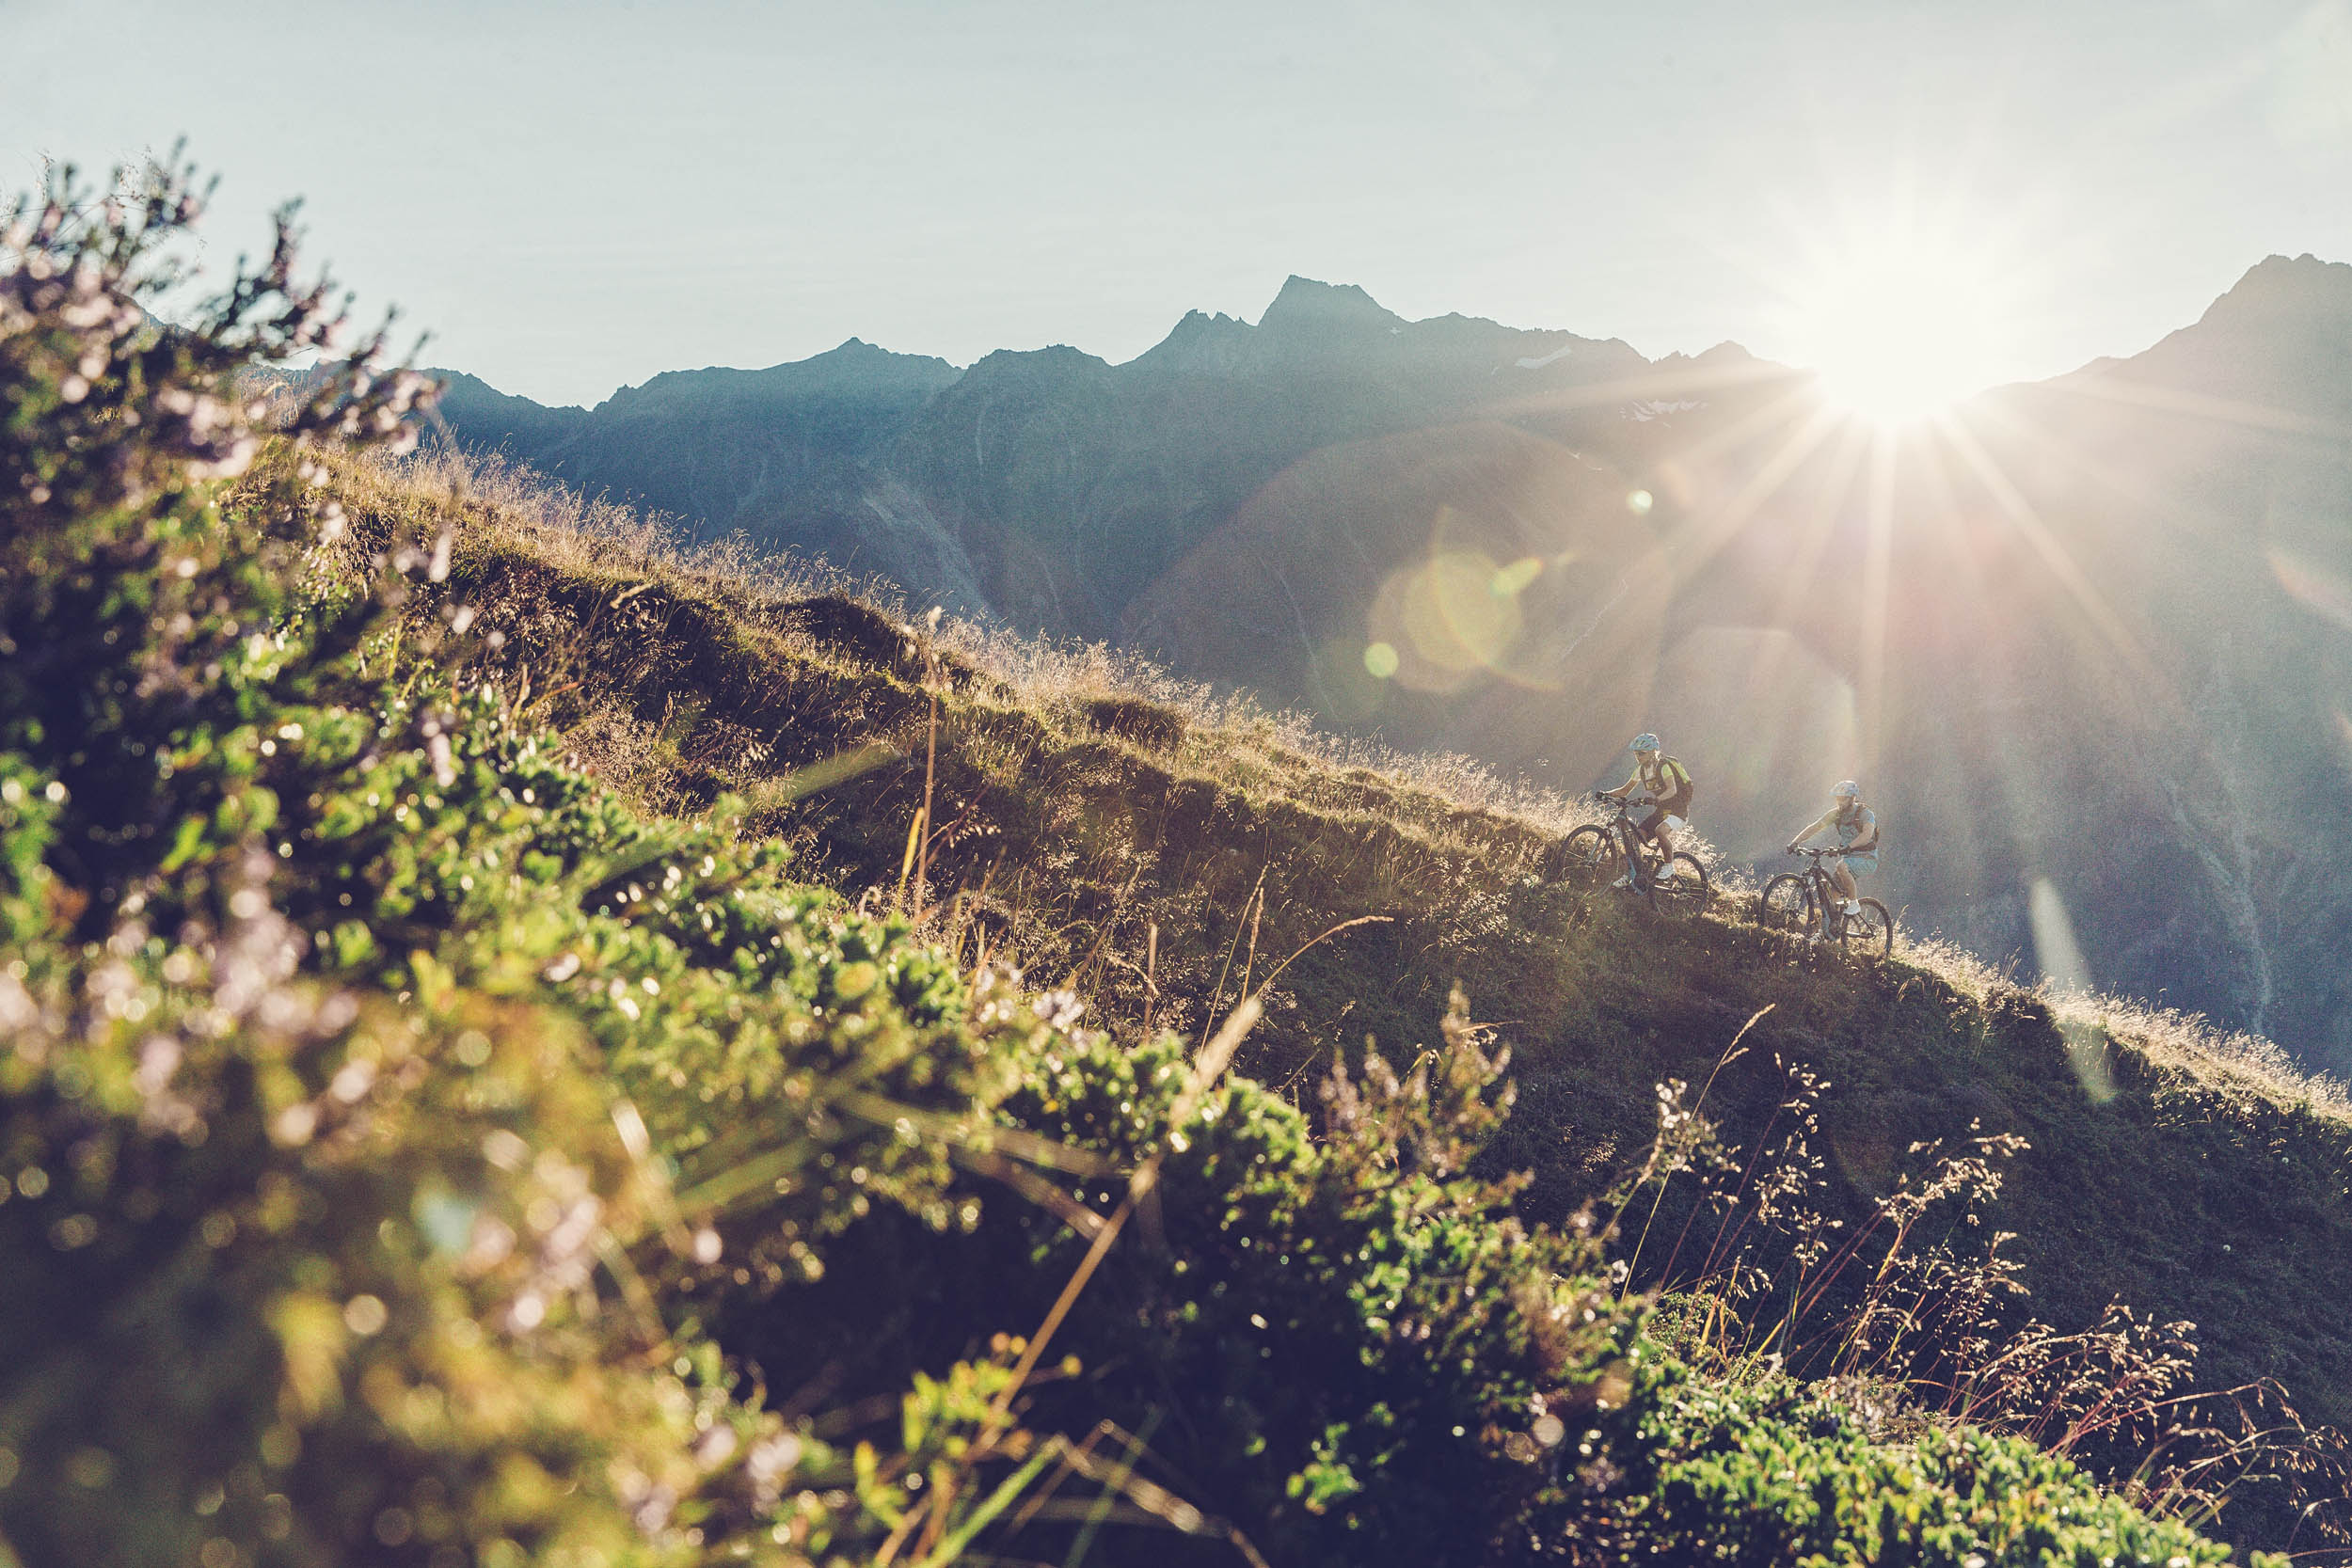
1677,779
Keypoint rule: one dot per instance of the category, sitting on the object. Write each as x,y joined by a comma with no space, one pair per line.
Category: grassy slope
1079,815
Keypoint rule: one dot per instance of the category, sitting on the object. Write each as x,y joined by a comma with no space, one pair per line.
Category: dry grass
598,536
2230,1059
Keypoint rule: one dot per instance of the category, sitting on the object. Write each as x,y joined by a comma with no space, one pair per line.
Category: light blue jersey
1865,825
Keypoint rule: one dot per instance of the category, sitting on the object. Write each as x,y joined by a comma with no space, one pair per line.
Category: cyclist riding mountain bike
1667,784
1857,827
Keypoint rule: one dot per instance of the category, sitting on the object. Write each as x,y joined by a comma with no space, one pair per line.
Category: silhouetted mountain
788,455
2280,342
2093,636
486,414
1046,486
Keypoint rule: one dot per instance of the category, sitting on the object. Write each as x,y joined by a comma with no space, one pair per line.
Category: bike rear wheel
1787,905
1869,935
1686,893
1588,857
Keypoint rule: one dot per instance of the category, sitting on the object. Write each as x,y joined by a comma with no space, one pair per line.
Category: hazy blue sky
576,195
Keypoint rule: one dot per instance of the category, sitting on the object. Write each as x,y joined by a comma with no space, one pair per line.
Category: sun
1901,321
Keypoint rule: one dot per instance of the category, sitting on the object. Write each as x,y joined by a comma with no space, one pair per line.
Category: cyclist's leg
1850,870
1844,879
1666,850
1653,827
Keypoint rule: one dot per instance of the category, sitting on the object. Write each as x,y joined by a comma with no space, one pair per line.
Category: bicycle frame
1618,841
1820,907
1641,853
1825,893
1823,888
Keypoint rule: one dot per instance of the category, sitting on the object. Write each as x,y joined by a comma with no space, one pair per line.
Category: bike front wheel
1685,892
1587,857
1869,935
1787,905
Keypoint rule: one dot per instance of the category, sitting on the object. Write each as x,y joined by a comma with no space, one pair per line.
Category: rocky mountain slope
2080,639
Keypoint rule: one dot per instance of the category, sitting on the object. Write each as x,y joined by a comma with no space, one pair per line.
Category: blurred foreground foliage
395,1125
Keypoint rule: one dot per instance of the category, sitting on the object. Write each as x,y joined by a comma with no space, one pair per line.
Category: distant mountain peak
1305,302
1198,342
1725,355
465,384
1054,362
2276,339
2280,288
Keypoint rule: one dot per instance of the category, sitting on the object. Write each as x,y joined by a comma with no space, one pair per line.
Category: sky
575,197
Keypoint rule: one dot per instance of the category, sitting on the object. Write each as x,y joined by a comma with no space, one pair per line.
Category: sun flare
1900,325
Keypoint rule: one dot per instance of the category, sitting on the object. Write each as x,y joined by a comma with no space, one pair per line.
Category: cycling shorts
1649,824
1863,863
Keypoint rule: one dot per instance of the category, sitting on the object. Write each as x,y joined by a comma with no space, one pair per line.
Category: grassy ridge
2192,1177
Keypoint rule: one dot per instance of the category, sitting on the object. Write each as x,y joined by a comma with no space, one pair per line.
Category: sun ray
2012,817
1663,385
2055,555
1821,525
1797,581
1780,413
1877,575
2173,399
1705,536
2152,502
2125,484
1969,577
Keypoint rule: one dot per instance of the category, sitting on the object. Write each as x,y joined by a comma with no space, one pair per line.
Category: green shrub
1339,1340
1781,1475
358,1049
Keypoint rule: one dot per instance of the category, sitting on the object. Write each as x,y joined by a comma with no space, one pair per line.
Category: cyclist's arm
1819,824
1870,842
1624,789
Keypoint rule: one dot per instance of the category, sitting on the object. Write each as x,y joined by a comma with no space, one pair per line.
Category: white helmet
1646,742
1846,788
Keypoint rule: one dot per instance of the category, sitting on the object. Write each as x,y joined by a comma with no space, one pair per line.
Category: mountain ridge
2256,294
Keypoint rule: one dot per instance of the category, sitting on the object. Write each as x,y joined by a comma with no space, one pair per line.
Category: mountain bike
1599,852
1808,902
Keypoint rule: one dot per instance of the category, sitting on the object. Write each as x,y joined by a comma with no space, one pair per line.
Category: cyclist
1857,827
1667,784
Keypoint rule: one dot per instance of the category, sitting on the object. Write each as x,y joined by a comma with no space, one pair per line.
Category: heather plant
1341,1341
366,1066
1914,1317
1346,1345
1784,1475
